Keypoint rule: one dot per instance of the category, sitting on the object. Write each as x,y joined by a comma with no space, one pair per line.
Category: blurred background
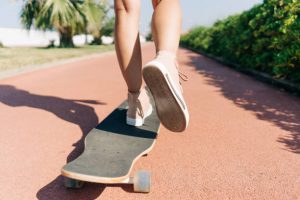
254,34
17,15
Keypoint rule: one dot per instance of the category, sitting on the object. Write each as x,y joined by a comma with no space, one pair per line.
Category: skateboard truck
141,182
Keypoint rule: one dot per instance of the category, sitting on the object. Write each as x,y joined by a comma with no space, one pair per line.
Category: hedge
265,38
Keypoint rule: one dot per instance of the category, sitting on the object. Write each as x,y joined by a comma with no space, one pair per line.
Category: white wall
12,37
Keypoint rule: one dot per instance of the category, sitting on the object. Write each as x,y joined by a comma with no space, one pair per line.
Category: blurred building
12,37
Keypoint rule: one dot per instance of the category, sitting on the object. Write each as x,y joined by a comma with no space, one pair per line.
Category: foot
162,77
139,108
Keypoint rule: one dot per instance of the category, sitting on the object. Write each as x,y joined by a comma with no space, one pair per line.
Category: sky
195,12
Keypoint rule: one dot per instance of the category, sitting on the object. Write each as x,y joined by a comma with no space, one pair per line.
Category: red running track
243,141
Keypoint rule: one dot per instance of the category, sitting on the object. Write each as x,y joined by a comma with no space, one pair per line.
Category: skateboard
111,149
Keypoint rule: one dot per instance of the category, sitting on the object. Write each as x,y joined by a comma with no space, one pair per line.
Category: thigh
127,5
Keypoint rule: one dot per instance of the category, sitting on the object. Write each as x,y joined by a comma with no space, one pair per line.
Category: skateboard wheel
72,183
142,181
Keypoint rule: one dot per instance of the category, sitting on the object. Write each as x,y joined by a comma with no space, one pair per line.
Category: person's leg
127,42
166,24
161,74
128,51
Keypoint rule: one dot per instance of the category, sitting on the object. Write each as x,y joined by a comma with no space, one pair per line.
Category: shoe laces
140,108
182,76
138,104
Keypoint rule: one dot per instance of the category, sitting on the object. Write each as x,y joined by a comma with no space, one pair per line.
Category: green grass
12,58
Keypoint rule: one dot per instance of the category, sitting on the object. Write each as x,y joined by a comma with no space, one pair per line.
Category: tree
94,16
107,26
67,17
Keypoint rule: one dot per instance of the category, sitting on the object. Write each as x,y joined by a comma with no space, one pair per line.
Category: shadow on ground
269,104
90,191
72,110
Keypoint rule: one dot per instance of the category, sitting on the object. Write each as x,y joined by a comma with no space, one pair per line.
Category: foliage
108,27
94,14
68,17
264,38
149,36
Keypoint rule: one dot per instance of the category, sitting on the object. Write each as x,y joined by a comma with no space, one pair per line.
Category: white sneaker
162,78
139,108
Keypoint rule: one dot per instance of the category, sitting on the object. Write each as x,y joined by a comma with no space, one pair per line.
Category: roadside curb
266,78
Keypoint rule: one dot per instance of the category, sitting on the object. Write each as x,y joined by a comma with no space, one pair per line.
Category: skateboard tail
106,180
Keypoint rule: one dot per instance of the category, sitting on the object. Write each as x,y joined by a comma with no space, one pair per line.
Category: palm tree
67,17
93,18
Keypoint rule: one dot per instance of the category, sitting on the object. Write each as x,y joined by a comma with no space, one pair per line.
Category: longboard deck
112,148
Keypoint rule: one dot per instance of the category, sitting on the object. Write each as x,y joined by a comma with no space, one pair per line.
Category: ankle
166,53
134,91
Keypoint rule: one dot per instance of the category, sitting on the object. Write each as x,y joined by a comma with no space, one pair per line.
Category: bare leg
166,24
161,74
127,42
128,50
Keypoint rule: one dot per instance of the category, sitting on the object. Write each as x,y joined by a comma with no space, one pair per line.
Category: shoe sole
170,106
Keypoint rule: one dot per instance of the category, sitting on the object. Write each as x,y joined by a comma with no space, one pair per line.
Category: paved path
243,141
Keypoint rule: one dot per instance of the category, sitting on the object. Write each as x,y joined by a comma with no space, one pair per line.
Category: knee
126,6
155,3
